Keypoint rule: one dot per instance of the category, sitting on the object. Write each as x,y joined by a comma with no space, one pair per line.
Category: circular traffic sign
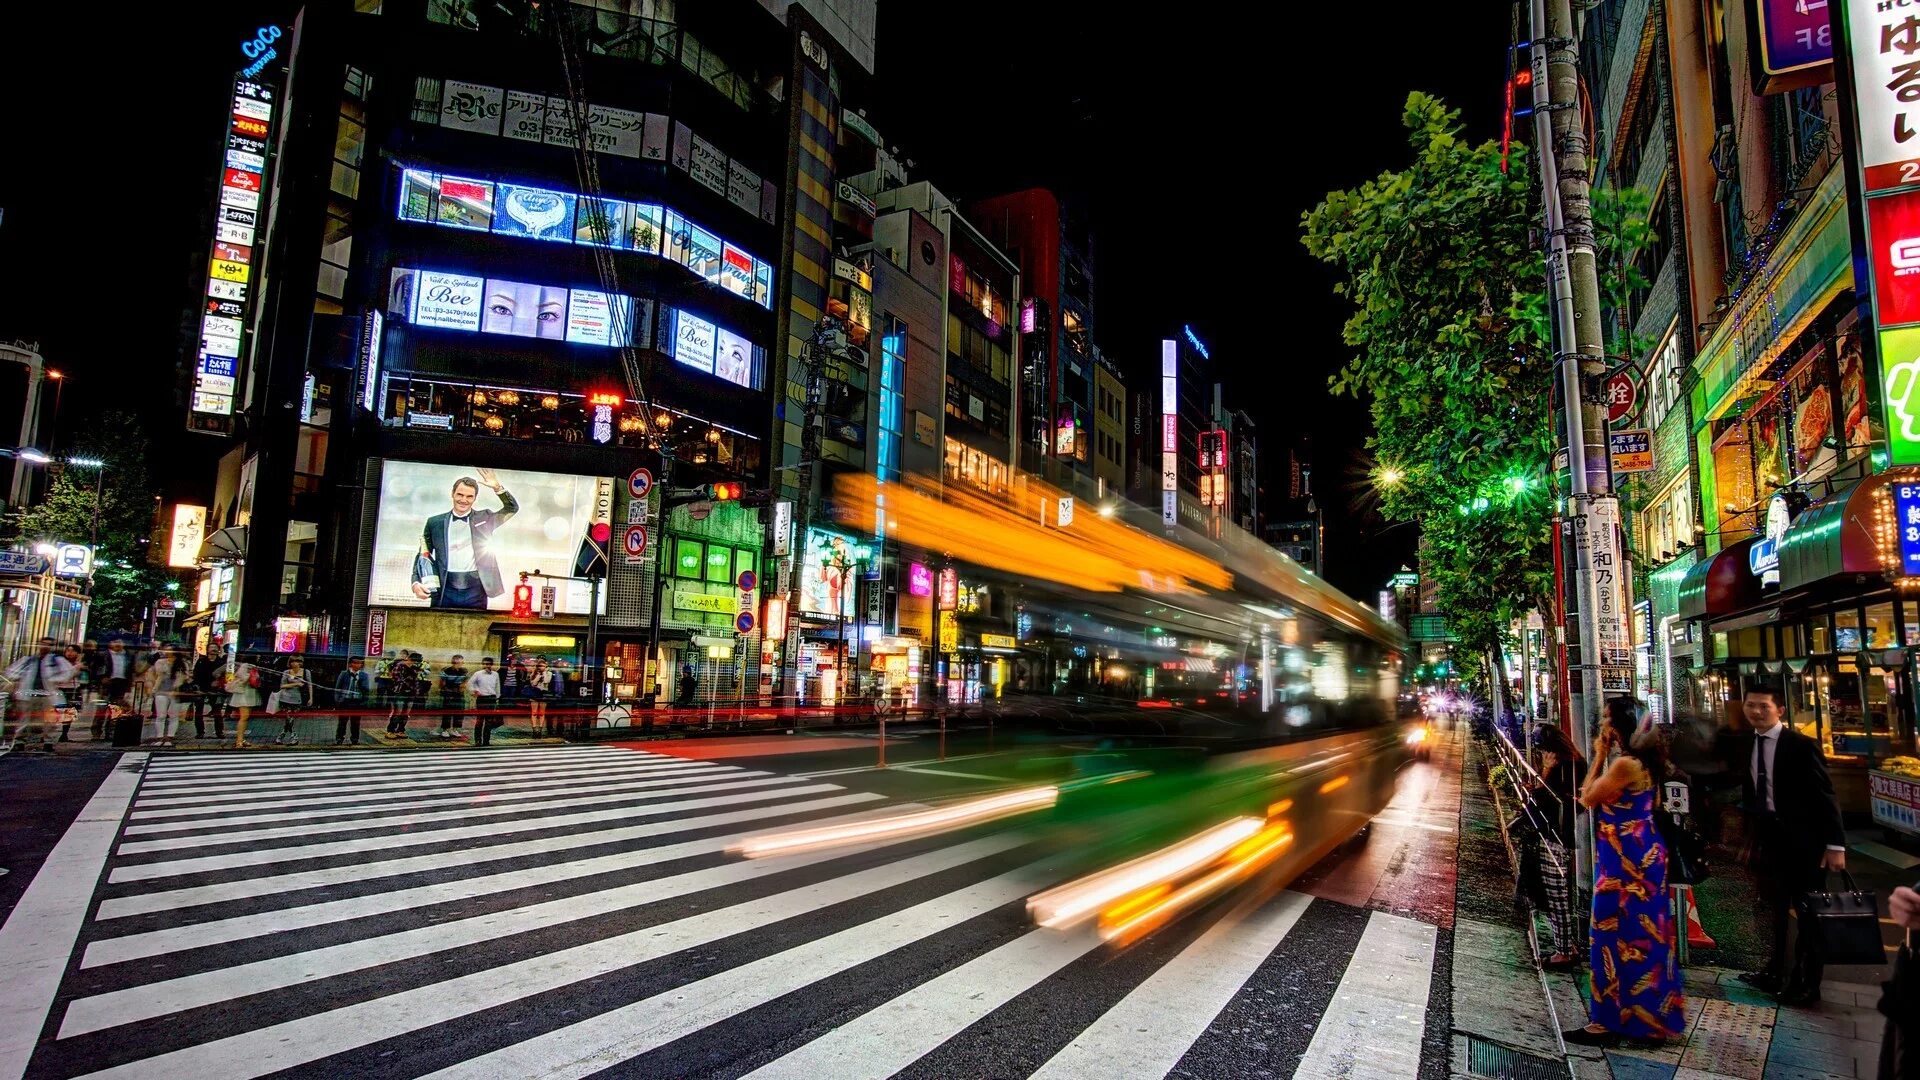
1623,395
635,539
743,622
747,580
639,482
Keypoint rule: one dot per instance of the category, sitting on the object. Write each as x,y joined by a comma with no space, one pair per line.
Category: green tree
120,499
1449,334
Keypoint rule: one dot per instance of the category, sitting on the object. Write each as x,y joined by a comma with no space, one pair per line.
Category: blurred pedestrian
244,690
453,696
538,688
75,698
293,695
1900,995
1797,833
170,677
1637,991
485,685
38,683
404,677
350,693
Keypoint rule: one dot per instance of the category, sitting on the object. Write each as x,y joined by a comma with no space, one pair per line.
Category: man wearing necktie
454,568
1797,835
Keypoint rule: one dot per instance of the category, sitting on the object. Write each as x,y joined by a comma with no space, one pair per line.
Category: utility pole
1580,363
827,333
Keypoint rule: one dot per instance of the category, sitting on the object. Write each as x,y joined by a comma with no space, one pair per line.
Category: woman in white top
243,696
167,678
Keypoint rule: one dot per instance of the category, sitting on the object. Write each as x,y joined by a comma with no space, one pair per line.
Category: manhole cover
1504,1063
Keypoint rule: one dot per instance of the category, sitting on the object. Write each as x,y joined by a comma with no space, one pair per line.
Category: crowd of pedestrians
129,694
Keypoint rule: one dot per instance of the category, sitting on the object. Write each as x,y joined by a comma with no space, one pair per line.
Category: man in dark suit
455,569
1796,831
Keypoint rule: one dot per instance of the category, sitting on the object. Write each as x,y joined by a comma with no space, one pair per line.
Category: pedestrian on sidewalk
294,694
406,681
243,696
77,695
38,682
350,693
538,687
1562,773
1637,991
485,685
206,670
453,696
168,677
1794,822
1900,995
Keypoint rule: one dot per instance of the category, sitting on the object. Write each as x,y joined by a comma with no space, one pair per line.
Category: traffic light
725,492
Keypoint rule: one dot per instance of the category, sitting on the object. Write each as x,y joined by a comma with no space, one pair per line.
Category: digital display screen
452,301
693,341
565,217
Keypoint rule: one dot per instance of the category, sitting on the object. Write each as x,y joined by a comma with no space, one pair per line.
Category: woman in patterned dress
1636,983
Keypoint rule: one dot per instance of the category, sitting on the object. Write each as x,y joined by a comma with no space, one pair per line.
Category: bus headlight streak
1070,903
1247,857
971,812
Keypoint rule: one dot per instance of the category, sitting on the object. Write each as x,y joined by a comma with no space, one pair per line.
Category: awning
1842,533
225,545
1720,585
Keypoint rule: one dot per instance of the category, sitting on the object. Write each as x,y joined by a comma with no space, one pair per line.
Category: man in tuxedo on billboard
455,568
1797,834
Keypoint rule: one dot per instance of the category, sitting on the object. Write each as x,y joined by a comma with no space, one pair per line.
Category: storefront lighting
663,421
479,397
550,402
631,423
494,423
508,397
713,435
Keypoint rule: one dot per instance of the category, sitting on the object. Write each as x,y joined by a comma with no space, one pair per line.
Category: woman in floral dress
1636,983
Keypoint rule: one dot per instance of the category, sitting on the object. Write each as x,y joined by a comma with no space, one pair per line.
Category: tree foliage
120,498
1449,332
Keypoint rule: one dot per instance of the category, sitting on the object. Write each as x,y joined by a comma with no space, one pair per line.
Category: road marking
586,1048
1372,1028
40,932
1152,1028
325,790
279,884
519,783
465,813
892,1036
206,864
954,772
348,762
877,768
321,1035
115,950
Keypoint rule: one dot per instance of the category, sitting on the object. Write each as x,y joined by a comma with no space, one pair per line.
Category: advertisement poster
471,107
464,204
734,360
526,117
1896,801
524,310
448,300
743,188
1895,225
1882,46
1769,446
1854,425
534,212
693,341
821,566
514,522
1812,415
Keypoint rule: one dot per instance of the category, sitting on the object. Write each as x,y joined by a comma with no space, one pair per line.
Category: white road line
323,790
876,768
216,760
39,933
504,785
480,765
1152,1028
321,1035
279,884
606,1040
1372,1028
117,950
346,761
886,1039
252,836
207,864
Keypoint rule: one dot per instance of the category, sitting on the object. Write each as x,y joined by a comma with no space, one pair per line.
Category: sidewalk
1733,1032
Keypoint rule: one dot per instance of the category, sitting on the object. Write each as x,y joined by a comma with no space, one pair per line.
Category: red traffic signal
728,492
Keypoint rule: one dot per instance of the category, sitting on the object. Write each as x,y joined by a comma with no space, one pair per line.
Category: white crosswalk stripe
585,895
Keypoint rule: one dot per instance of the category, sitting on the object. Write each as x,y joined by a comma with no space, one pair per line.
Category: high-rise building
429,292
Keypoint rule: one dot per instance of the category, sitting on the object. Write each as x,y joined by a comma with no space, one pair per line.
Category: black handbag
1846,924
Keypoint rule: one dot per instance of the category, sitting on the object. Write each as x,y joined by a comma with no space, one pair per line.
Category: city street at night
829,539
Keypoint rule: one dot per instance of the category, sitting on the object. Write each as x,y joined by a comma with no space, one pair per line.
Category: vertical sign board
1607,589
376,631
233,264
1169,431
1795,44
1882,55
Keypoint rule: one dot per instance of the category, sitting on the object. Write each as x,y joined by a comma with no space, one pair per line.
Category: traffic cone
1697,936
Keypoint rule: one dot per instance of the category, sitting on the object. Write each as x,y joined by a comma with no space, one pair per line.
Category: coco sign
260,50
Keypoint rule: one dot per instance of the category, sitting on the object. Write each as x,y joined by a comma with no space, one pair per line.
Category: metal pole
593,653
659,579
809,450
1560,145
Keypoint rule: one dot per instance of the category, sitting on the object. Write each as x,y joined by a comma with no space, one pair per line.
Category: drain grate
1493,1060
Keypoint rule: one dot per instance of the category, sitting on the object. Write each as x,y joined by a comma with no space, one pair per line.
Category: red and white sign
1622,395
1893,223
1885,49
639,482
634,542
376,632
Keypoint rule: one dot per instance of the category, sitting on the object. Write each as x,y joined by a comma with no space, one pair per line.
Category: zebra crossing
574,911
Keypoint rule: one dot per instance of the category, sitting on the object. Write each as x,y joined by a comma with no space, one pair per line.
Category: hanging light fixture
507,397
494,423
550,402
479,397
663,421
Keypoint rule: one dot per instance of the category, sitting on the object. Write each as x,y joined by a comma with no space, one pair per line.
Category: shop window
719,563
1879,627
1910,620
1793,640
1846,631
688,559
427,93
1663,380
1820,627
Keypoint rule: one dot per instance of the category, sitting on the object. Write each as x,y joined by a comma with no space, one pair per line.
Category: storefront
1837,634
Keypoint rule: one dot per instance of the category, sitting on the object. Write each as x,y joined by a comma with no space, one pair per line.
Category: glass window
1910,618
426,100
719,563
646,229
1821,628
1846,631
1879,628
687,559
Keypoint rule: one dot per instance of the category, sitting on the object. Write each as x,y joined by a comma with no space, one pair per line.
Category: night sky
1195,145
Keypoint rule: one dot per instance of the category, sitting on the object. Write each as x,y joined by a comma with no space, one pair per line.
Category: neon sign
1194,340
259,50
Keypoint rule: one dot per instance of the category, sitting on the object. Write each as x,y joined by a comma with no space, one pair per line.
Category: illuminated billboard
458,537
565,217
828,568
456,301
231,268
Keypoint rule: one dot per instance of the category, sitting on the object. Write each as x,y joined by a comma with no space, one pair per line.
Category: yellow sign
998,641
189,530
544,641
706,603
228,270
949,632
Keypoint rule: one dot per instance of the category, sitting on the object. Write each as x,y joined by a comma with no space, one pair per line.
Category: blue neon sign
1194,339
1906,511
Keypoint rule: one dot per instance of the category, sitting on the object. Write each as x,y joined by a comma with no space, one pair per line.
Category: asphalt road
573,911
